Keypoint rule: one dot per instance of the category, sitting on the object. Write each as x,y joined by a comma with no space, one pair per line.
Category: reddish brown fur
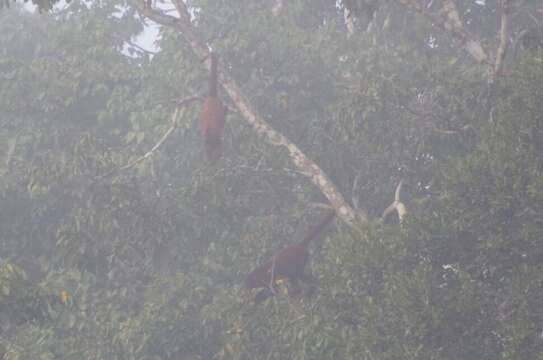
212,116
288,263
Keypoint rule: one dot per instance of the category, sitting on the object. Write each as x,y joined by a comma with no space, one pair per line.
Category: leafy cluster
103,261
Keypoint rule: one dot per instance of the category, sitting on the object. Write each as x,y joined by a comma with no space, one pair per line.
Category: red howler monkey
212,116
288,264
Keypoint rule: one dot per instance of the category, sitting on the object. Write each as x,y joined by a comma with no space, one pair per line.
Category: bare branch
455,25
177,102
424,118
396,205
140,49
161,141
182,10
306,166
271,285
148,153
349,22
505,8
12,143
449,19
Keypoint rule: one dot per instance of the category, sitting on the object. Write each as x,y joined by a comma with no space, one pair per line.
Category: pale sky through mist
146,39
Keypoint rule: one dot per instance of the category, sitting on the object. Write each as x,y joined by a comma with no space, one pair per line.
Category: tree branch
147,154
449,19
397,205
306,166
271,285
161,141
349,21
505,9
182,10
141,49
12,143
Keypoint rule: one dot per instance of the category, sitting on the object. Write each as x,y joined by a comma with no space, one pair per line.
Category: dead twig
148,154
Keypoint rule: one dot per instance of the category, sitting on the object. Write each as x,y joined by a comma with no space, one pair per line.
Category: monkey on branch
212,116
288,263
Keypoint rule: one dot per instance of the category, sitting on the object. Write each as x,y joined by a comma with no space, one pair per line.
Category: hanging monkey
212,116
288,263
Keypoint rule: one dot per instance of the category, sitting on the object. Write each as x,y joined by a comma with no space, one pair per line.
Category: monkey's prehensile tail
212,117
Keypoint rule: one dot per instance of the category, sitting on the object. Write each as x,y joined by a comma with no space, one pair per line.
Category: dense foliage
103,261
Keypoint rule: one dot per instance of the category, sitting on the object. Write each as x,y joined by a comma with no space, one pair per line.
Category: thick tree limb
505,8
306,166
449,19
182,11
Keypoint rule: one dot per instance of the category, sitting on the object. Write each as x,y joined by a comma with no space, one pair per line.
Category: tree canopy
118,240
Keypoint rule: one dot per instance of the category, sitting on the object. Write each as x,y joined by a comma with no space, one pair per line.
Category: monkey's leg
262,295
312,283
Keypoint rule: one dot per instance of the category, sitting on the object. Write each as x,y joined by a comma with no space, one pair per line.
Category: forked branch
397,205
